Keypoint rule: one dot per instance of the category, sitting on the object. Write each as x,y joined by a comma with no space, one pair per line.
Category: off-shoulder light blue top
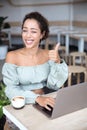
20,80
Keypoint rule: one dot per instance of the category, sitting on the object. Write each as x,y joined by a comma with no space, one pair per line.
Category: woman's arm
58,74
13,87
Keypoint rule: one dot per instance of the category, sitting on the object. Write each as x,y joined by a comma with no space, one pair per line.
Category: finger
51,102
57,47
49,108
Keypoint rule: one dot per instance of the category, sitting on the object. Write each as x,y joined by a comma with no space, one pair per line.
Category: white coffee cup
18,101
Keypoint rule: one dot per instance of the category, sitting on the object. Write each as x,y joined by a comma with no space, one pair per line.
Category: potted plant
3,101
3,35
2,22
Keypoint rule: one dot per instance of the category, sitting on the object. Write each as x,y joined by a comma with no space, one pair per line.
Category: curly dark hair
42,21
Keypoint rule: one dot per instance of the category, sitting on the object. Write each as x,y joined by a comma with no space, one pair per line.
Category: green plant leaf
3,98
1,111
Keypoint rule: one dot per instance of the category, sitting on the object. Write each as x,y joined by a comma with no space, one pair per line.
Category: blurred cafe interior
67,25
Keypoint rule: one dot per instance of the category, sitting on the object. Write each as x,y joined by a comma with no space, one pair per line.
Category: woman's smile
29,42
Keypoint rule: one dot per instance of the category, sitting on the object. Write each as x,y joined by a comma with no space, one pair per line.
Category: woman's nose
28,34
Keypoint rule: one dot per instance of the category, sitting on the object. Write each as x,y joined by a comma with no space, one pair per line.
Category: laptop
68,100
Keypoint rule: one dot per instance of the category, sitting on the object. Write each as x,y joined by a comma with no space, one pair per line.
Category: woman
28,70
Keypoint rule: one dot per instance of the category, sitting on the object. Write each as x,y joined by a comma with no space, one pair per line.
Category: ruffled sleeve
58,75
13,87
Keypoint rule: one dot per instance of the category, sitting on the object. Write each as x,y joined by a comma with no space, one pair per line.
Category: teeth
29,41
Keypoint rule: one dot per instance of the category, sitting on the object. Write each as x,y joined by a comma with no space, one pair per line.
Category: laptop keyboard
43,109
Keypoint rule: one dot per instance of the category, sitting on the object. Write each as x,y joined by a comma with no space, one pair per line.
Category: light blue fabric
20,80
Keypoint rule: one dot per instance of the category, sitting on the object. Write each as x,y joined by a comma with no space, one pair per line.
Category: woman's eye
24,31
34,32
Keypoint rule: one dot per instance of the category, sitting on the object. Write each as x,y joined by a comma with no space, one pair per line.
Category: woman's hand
45,102
53,54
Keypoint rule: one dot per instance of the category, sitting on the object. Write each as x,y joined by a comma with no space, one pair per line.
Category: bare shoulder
12,56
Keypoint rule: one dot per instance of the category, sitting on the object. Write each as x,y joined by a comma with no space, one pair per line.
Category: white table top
32,119
80,35
28,118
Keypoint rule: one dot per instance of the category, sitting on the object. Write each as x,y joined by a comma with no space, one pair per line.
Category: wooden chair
68,59
10,126
6,127
86,61
77,71
78,58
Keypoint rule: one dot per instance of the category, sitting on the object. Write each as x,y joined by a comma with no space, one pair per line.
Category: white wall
52,13
80,12
76,12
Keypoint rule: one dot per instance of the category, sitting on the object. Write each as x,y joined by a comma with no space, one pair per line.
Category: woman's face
31,33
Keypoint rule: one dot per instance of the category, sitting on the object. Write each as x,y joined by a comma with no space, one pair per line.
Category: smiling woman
33,68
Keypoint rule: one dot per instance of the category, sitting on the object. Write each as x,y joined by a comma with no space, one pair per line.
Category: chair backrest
78,58
77,74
